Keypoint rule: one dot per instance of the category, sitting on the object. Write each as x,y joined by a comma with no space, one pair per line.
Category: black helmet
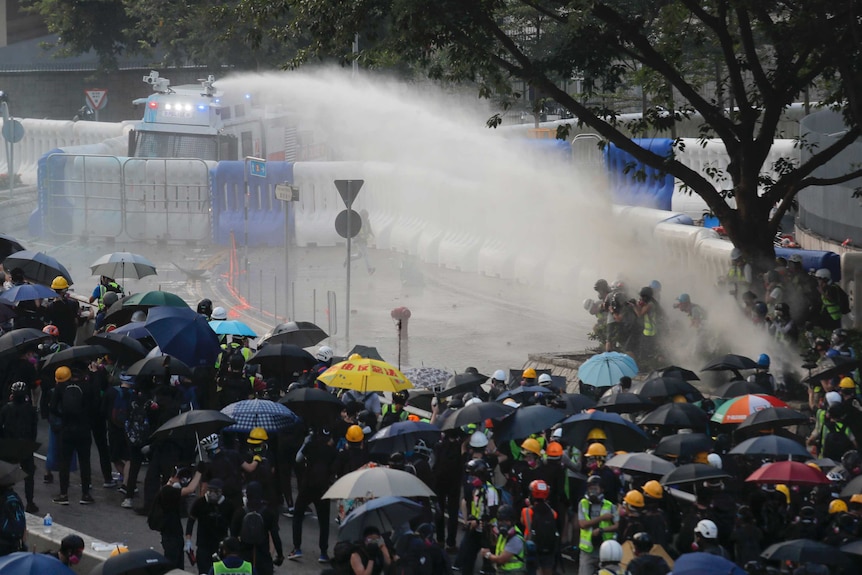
782,308
602,285
642,542
205,307
478,468
839,336
400,397
396,460
851,461
646,292
760,309
594,480
506,513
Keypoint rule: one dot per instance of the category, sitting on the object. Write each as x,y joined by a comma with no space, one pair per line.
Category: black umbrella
832,367
573,403
126,350
282,359
10,473
301,333
674,371
853,548
8,246
527,420
366,351
475,413
21,339
315,406
37,266
623,402
677,415
738,387
660,387
138,562
402,436
72,355
641,463
621,434
202,422
386,513
771,418
853,487
522,391
683,445
7,312
731,362
771,445
159,366
420,398
804,551
691,472
16,450
462,383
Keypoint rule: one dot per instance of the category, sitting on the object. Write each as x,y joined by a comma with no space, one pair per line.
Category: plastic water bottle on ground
47,523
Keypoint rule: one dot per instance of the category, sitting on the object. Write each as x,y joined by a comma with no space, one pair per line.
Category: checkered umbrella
251,413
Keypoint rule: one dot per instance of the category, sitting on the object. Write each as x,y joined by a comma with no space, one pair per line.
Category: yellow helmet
59,283
119,549
529,373
653,489
532,445
837,506
785,490
847,383
679,399
257,435
62,374
857,498
596,434
701,457
596,450
354,434
354,357
814,465
634,498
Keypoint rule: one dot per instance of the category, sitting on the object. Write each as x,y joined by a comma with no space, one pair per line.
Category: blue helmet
763,360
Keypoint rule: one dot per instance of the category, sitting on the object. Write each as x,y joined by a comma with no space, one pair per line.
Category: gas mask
372,545
75,557
213,496
593,463
595,494
532,461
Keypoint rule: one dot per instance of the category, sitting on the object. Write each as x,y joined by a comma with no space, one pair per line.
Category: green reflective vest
516,563
649,324
586,538
221,569
833,308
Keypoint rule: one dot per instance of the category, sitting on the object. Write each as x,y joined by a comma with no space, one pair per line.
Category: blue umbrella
606,369
403,435
251,413
705,564
37,266
386,513
184,334
24,563
135,330
622,434
27,292
232,327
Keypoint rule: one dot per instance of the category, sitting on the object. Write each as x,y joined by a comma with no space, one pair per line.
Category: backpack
836,443
227,354
156,517
543,529
137,426
253,531
72,403
417,559
13,521
120,410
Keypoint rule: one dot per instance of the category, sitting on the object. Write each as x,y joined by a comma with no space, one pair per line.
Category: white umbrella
378,482
123,265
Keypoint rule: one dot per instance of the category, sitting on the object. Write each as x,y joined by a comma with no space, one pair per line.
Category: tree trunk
750,232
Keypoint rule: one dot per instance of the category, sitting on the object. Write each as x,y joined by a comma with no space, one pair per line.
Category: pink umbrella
788,472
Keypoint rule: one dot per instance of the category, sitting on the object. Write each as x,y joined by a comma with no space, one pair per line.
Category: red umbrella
788,472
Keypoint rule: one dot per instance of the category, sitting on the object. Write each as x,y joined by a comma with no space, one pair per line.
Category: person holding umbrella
106,285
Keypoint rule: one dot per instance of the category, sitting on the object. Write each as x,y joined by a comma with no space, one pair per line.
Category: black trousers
471,544
449,498
29,467
100,439
75,440
303,501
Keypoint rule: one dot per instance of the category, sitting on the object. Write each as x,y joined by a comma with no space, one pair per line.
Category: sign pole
349,267
286,206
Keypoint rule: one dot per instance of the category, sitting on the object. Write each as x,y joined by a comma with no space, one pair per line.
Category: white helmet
545,379
610,552
823,274
714,459
499,375
324,353
706,529
472,401
735,254
588,303
478,440
833,398
139,316
219,313
557,434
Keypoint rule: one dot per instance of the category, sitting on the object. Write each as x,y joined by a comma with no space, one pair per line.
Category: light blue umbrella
232,327
27,292
24,563
606,369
